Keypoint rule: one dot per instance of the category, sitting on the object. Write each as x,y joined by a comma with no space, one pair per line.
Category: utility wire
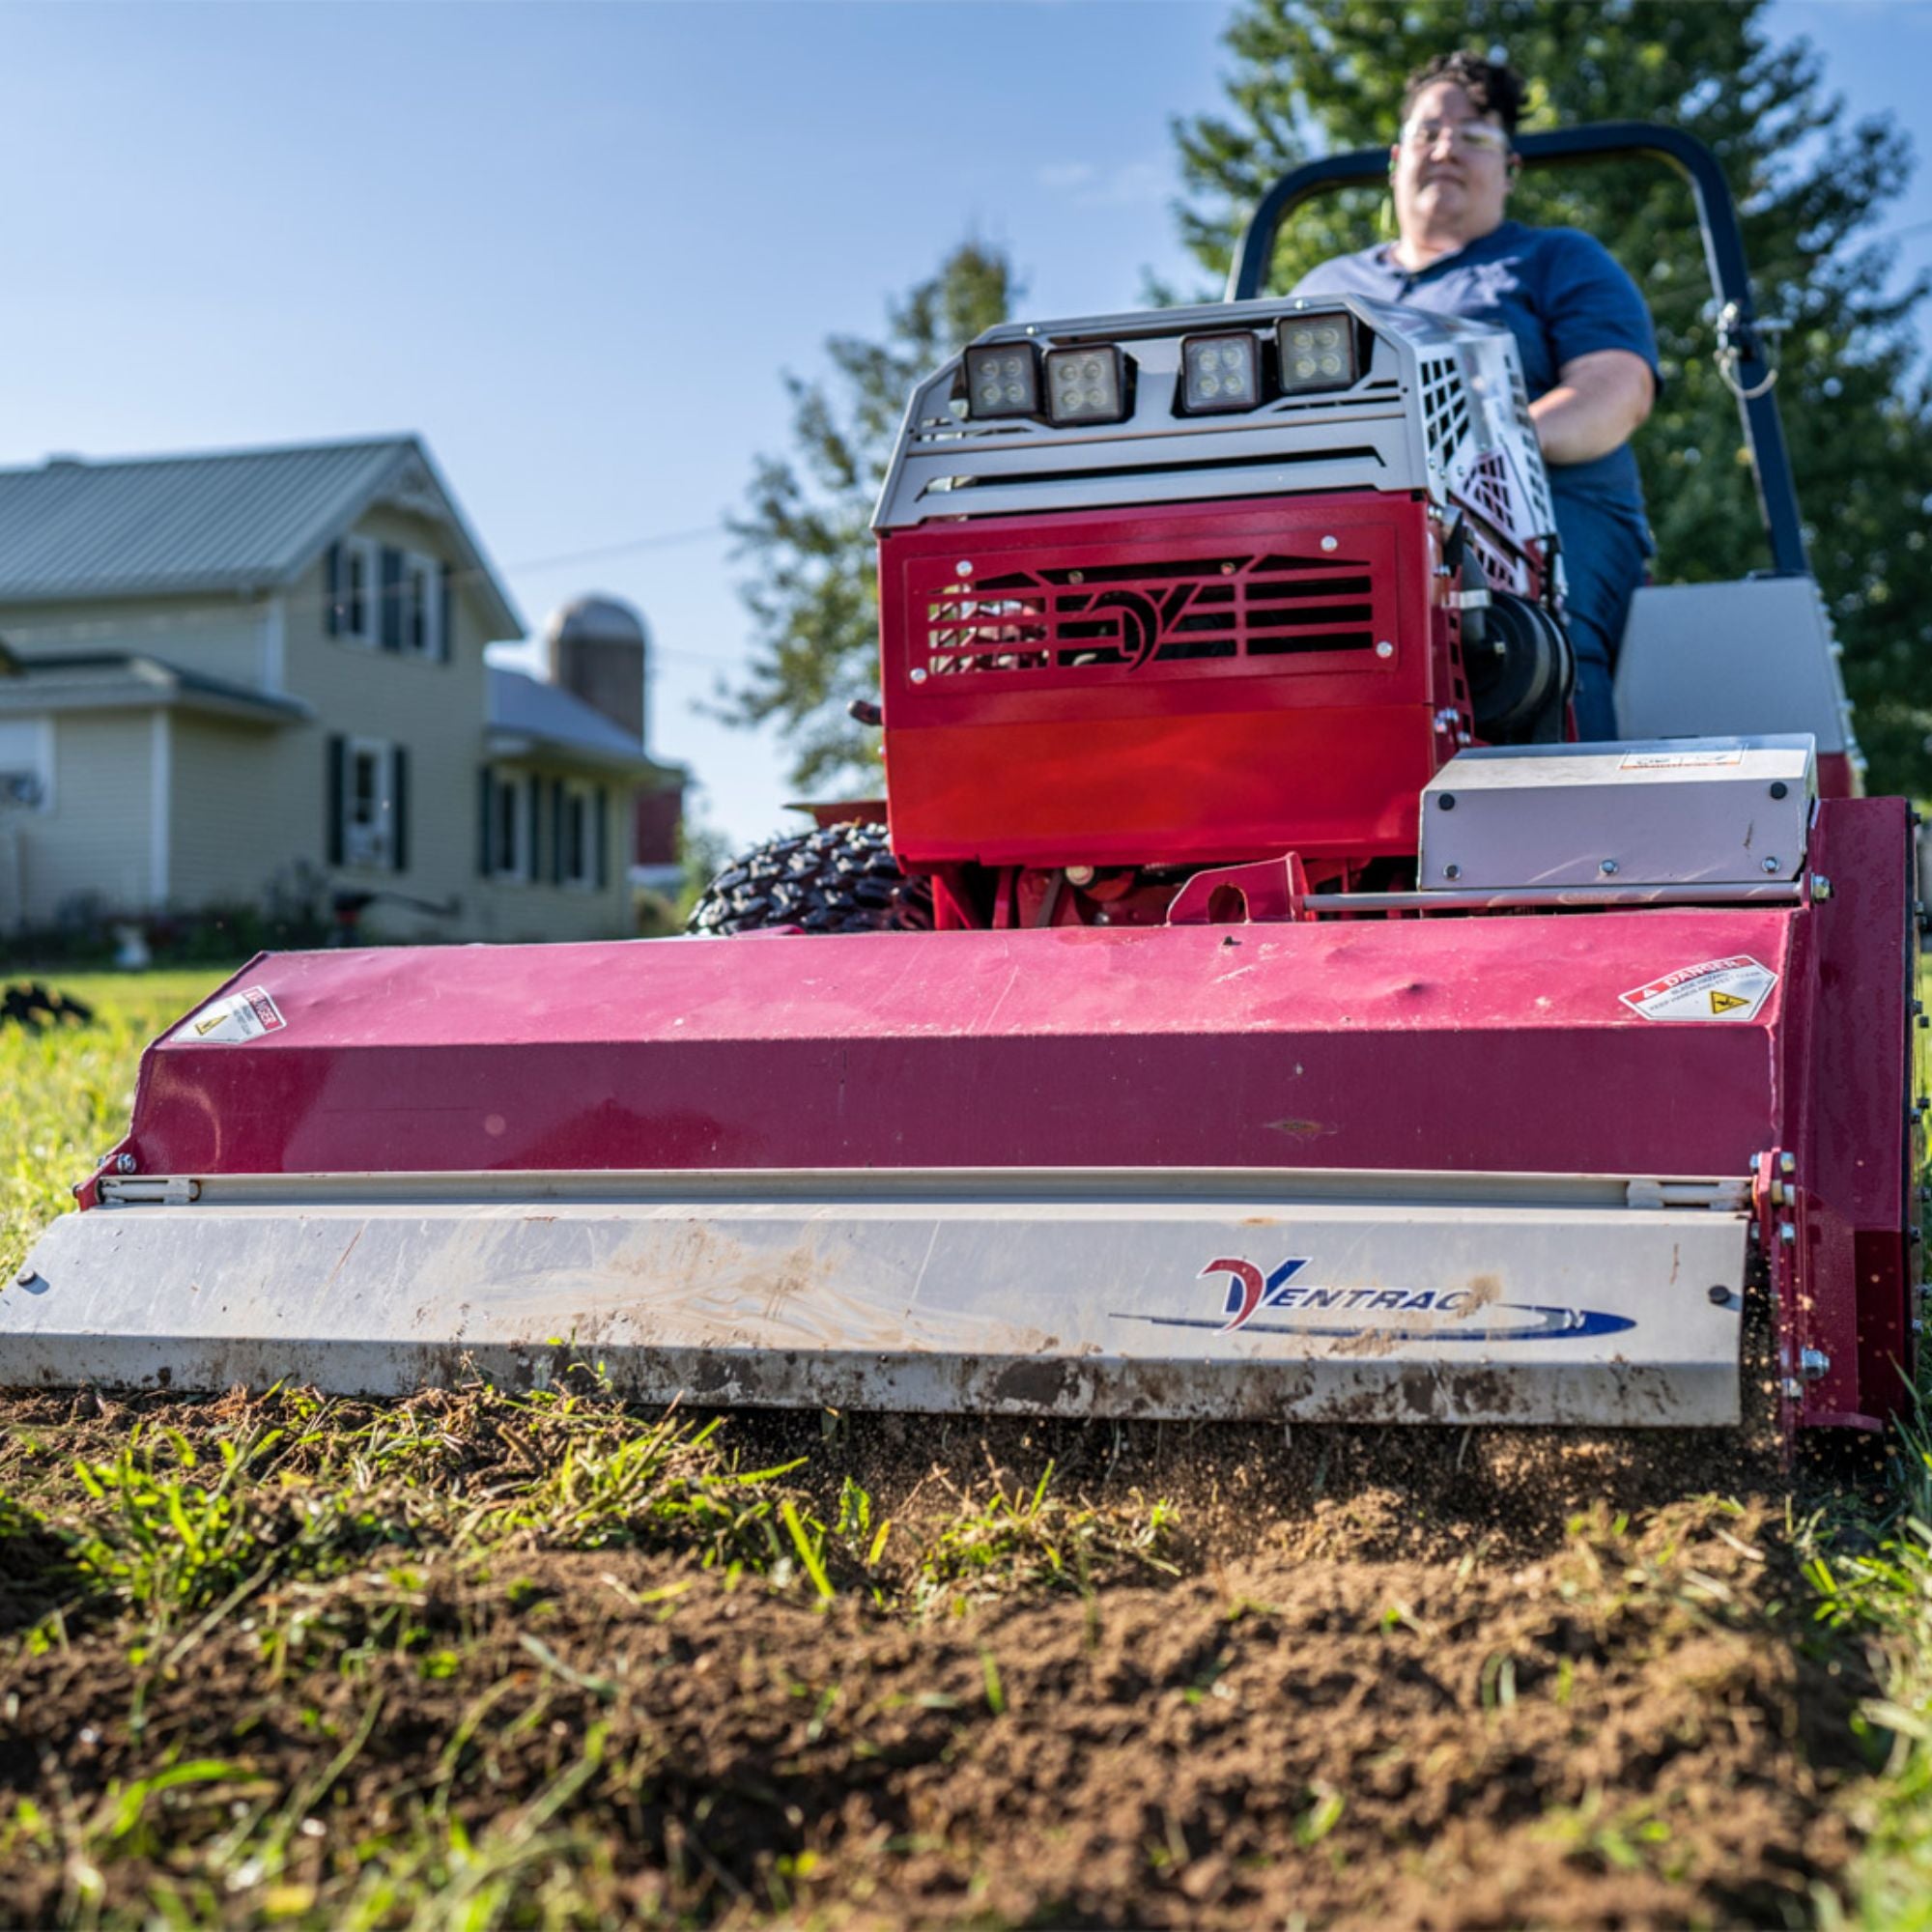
164,623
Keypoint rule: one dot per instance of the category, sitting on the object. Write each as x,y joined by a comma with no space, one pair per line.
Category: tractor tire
836,878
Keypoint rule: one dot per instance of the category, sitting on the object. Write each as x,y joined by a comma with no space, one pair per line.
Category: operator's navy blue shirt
1558,291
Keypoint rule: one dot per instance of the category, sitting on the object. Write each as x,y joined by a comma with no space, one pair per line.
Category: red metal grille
1125,616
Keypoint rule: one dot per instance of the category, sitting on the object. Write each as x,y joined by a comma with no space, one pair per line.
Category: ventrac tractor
1248,1000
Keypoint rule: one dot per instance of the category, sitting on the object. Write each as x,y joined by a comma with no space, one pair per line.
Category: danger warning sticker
245,1015
1719,989
1671,761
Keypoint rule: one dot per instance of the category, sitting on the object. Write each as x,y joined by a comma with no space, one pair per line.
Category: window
422,580
27,764
366,834
352,572
580,839
369,804
389,599
507,815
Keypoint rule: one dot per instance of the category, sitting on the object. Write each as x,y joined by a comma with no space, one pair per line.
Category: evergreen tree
815,597
1311,76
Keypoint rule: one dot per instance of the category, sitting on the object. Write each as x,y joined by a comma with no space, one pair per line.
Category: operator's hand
1595,407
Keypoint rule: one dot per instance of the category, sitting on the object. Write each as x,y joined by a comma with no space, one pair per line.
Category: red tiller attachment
1445,1168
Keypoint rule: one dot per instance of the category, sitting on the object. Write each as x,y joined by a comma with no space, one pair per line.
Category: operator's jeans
1605,552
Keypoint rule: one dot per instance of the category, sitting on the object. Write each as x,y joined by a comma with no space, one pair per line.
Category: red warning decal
1719,990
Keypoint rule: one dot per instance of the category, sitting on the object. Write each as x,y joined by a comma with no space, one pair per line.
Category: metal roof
228,521
116,680
522,706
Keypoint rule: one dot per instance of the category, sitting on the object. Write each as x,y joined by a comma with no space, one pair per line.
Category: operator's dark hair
1494,86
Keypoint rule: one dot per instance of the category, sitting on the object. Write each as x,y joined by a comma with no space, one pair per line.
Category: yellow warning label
1722,1003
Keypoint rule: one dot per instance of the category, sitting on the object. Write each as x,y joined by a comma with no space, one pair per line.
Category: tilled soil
1401,1678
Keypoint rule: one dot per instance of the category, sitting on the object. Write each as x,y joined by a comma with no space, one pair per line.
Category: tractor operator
1588,350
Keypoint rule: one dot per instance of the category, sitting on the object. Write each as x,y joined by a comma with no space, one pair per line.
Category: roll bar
1739,336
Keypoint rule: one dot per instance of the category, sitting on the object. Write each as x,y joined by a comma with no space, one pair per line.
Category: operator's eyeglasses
1485,137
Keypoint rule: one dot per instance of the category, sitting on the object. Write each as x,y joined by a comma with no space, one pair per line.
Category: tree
815,597
1313,75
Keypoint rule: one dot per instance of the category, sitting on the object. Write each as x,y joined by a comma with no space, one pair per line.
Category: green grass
1875,1579
66,1091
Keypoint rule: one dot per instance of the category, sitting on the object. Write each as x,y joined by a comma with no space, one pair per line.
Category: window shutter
557,831
392,598
399,807
533,823
445,616
331,602
600,838
337,787
486,821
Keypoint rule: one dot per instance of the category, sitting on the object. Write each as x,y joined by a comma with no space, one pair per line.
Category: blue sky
575,247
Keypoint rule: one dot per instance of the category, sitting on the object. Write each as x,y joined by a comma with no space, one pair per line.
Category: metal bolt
963,568
127,1164
23,1278
1814,1364
1821,886
1606,866
1080,875
1384,648
919,674
1779,788
1445,800
1787,1163
1076,577
1227,569
1327,543
1791,1389
1786,1232
1718,1294
1452,872
1771,864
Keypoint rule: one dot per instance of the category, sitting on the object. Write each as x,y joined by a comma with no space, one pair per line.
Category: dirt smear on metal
1428,1678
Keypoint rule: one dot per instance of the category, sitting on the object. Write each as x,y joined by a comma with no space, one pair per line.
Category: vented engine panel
1142,615
1174,686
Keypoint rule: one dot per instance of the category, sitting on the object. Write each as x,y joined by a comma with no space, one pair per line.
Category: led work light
1002,380
1220,373
1085,386
1317,352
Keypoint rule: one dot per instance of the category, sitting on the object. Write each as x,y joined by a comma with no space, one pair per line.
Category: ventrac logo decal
1144,622
1248,1288
1280,1303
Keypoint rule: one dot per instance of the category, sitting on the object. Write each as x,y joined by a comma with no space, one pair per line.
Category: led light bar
1086,385
1002,380
1220,374
1317,352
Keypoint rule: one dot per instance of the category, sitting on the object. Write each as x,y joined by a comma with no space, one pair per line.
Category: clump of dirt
1237,1490
1434,1678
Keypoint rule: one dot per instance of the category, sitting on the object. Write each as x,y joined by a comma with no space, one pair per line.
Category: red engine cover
1170,685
